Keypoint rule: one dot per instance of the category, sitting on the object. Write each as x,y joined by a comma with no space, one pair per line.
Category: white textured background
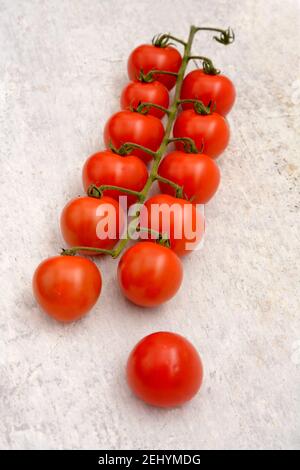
62,67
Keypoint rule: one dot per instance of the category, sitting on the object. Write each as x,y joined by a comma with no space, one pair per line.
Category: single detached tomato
148,57
88,221
212,130
67,287
149,274
198,174
164,369
141,129
217,89
177,218
108,168
140,92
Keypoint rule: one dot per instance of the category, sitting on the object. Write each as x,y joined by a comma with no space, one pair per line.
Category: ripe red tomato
86,220
138,92
127,126
198,174
177,218
107,167
148,57
149,274
211,129
217,89
164,369
67,287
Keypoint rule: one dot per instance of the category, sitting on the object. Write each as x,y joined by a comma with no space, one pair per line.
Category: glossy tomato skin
165,370
137,92
67,287
148,57
109,168
128,126
217,89
149,274
198,174
178,218
82,216
212,130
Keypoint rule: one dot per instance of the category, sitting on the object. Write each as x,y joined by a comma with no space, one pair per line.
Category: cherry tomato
140,92
127,126
67,287
148,57
164,369
88,221
177,218
109,168
149,274
211,129
198,174
218,89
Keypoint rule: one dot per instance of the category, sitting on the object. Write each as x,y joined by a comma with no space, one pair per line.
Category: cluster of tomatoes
164,369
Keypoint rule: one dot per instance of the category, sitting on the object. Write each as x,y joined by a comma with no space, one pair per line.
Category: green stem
207,64
226,35
199,107
171,118
150,76
200,57
162,40
143,107
74,250
162,72
178,189
97,191
188,143
162,238
127,147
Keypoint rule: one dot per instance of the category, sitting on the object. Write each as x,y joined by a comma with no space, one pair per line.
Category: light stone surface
62,67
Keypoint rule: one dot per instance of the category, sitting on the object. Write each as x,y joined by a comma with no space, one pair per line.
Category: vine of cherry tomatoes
164,369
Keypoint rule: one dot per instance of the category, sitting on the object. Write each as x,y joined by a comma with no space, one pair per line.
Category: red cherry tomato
177,218
164,369
109,168
67,287
217,89
127,126
198,174
139,92
148,57
88,221
212,130
149,274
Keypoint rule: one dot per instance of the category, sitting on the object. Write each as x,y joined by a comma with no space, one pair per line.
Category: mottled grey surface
62,66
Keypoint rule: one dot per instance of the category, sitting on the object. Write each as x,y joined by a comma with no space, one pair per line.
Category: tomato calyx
209,68
207,64
159,238
150,76
145,77
189,145
164,240
163,40
226,37
97,191
199,106
143,108
127,148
